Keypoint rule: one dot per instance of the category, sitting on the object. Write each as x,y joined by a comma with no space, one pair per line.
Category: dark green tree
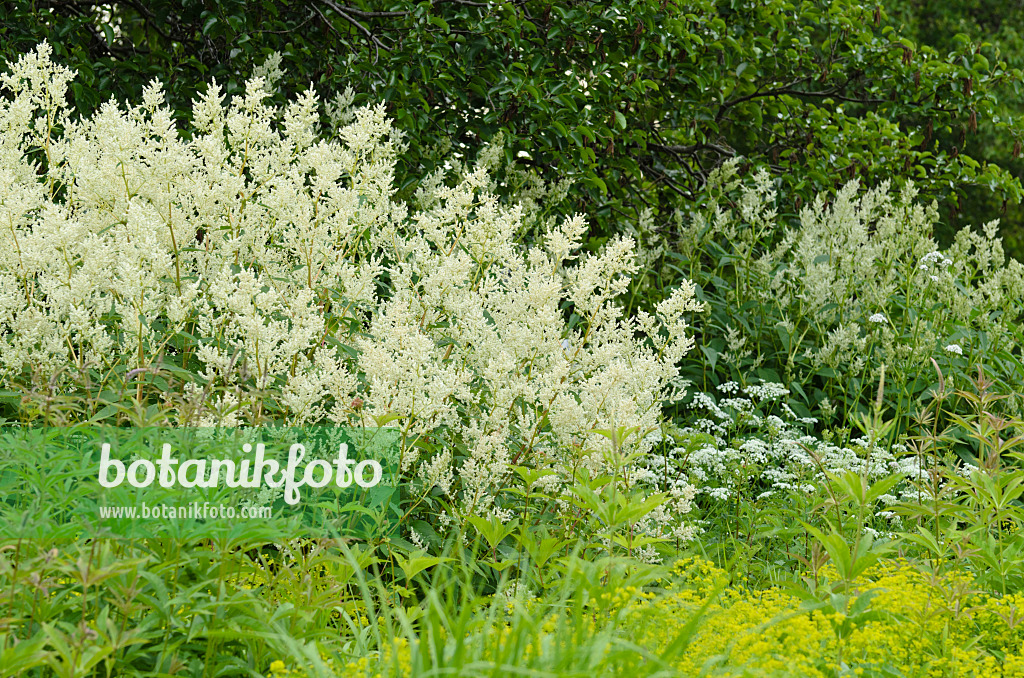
944,26
636,101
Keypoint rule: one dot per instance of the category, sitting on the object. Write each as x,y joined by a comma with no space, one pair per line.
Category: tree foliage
635,101
943,26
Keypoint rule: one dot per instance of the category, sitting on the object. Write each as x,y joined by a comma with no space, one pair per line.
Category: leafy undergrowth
155,609
895,621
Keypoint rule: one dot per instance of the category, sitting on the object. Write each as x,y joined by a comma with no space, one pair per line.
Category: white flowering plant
252,268
755,463
822,301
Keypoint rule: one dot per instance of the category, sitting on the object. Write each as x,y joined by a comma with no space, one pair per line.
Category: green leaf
711,354
440,23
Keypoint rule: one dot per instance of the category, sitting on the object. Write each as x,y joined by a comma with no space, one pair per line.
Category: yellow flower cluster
619,598
917,624
927,625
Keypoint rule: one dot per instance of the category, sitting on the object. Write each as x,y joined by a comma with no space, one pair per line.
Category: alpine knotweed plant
822,302
270,270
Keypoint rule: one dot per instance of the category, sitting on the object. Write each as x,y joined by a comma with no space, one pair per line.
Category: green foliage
947,26
572,560
968,513
848,307
635,102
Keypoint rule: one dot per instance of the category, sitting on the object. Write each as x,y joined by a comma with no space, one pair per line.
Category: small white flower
878,318
729,387
954,348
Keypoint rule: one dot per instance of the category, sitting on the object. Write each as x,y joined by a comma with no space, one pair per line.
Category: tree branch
789,89
362,14
758,93
377,44
467,3
832,94
693,149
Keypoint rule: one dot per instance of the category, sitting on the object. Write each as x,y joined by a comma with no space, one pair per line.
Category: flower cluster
759,446
859,283
272,269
